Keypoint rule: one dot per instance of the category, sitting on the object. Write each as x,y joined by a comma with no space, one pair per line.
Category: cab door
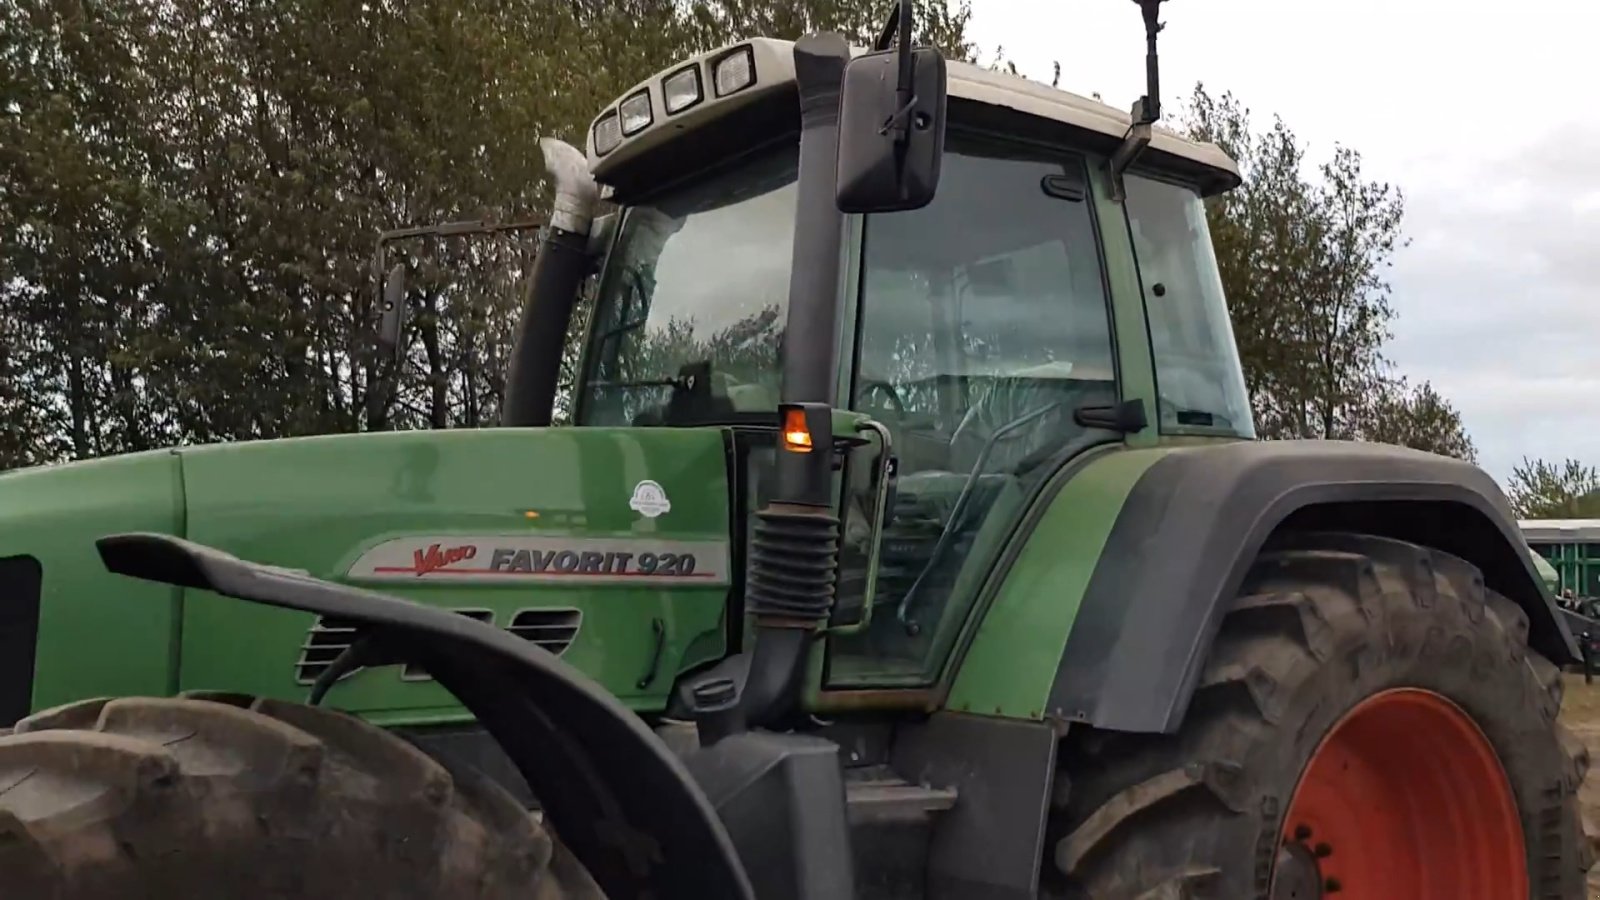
984,324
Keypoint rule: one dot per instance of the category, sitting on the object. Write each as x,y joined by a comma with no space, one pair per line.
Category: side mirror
393,312
891,127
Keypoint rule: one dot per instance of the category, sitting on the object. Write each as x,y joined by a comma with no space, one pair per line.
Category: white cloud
1475,110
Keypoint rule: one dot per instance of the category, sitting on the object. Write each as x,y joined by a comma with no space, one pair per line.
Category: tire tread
1136,801
157,797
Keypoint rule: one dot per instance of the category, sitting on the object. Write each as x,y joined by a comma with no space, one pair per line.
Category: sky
1475,111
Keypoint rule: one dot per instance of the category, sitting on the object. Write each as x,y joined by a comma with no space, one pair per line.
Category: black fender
1195,522
622,803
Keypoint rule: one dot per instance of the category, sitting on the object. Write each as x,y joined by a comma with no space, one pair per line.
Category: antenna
1147,111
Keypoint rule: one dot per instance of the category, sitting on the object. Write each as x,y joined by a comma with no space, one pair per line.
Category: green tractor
910,539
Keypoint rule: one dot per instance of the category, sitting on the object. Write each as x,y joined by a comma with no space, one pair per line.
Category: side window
1198,377
983,307
983,326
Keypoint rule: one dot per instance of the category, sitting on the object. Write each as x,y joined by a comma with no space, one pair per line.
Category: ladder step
882,800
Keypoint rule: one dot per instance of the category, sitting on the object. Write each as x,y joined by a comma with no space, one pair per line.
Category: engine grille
409,672
325,640
552,629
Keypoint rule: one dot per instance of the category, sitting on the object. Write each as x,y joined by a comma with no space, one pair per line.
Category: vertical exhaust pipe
562,263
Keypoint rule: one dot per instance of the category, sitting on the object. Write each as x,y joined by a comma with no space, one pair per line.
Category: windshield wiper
681,382
636,289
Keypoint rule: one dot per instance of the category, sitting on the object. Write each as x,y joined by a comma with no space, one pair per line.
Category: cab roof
773,64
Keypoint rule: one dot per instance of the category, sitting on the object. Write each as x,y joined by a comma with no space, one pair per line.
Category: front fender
625,806
1195,519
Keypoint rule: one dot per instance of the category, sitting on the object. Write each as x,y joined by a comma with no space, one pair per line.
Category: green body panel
1012,660
98,634
317,504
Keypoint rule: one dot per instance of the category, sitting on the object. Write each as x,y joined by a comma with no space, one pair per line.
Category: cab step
883,798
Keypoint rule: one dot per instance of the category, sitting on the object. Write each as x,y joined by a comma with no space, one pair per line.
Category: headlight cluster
681,89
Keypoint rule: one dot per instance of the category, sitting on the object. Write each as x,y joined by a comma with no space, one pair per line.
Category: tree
1303,263
937,22
1415,417
190,190
1543,490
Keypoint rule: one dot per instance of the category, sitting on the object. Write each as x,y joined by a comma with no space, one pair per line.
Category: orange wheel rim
1405,797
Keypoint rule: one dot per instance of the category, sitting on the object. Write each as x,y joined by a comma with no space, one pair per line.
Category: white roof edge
971,82
775,69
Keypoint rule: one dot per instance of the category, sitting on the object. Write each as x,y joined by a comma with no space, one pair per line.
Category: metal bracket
1132,147
881,512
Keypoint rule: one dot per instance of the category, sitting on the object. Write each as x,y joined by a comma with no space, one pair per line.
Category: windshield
691,306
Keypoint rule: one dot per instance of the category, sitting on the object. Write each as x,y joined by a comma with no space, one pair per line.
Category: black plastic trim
991,844
21,583
1196,520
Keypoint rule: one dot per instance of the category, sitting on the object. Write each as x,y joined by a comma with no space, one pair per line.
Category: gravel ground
1580,710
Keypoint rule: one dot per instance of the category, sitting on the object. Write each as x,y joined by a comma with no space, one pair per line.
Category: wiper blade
679,382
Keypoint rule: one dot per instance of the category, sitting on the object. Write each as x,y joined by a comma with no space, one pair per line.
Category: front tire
251,799
1407,691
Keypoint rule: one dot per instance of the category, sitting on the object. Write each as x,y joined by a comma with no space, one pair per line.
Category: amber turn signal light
796,434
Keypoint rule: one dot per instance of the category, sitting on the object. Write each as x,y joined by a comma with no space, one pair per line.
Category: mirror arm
903,91
898,29
1147,111
1150,104
1133,146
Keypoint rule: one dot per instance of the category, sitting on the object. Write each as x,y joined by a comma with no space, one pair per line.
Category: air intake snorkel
871,136
562,263
794,551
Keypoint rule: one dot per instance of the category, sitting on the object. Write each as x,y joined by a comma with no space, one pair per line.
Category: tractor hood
610,547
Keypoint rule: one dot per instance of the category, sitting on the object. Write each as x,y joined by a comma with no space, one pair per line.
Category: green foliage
1544,490
1416,417
190,191
1303,260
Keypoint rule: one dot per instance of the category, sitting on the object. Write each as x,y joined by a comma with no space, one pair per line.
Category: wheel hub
1297,875
1404,797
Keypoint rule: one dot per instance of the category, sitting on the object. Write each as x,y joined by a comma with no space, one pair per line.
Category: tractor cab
1056,294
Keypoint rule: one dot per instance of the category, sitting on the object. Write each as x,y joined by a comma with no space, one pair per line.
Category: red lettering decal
434,559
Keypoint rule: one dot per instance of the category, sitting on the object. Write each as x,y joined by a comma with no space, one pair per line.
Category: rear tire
254,799
1323,623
